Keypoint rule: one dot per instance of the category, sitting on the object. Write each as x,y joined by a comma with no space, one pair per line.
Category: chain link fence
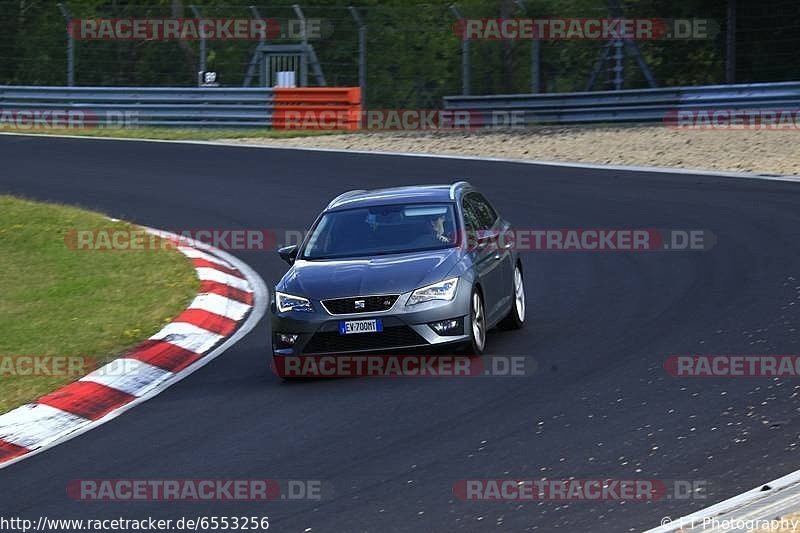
414,52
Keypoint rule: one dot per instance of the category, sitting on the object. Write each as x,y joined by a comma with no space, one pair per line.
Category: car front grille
360,304
390,337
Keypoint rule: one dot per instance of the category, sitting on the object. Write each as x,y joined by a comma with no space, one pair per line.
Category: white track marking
129,376
220,305
188,336
194,253
211,274
35,424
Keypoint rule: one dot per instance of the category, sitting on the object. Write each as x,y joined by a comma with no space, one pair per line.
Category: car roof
398,195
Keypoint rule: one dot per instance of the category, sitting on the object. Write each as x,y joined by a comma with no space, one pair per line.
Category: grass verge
176,134
56,301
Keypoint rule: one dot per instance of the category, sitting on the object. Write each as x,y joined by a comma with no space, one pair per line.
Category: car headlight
288,302
444,290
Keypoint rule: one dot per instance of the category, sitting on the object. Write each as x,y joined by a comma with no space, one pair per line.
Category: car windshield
382,230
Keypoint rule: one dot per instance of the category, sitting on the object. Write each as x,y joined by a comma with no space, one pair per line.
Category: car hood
390,274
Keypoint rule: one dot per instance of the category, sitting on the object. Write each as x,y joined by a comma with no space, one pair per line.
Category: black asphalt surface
600,326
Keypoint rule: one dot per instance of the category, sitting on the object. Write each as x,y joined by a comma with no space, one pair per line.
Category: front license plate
360,326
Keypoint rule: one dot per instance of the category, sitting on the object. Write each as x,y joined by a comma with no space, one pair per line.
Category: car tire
515,319
477,324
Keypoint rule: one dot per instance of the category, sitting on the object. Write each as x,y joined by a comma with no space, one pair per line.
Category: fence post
616,12
362,54
536,62
619,64
312,55
70,45
465,64
257,54
536,55
202,60
730,44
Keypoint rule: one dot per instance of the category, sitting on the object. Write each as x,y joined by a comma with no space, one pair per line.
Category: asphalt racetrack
388,451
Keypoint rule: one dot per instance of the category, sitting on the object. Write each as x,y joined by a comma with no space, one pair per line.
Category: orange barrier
317,108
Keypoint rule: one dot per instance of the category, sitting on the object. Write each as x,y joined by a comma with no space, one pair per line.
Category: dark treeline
414,54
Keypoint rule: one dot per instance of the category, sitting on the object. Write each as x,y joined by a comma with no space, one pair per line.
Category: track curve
601,325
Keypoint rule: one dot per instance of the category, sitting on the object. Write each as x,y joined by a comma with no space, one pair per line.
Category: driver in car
437,226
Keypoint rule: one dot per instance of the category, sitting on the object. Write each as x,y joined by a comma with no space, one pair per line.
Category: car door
480,220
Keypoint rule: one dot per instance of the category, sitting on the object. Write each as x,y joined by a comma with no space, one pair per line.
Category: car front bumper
403,327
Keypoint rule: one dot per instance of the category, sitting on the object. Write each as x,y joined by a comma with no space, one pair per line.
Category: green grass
57,301
173,134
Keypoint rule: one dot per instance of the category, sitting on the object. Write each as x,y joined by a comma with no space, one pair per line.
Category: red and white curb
231,301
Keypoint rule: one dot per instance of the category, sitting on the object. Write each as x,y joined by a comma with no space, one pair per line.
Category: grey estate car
406,267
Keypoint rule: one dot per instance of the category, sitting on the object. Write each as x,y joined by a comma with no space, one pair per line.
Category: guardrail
174,107
180,107
635,105
318,108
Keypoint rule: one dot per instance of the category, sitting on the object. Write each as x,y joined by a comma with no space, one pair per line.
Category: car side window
472,220
486,214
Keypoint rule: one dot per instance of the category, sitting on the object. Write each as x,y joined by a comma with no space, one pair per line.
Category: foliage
414,54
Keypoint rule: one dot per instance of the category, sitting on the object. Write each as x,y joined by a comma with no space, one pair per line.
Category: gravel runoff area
760,151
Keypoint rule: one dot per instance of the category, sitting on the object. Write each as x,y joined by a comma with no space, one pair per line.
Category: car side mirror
288,253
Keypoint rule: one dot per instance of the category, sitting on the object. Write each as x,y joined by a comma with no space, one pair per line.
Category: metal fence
23,107
332,108
638,105
124,106
407,53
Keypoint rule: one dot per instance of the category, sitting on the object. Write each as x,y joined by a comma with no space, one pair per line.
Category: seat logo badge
360,304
